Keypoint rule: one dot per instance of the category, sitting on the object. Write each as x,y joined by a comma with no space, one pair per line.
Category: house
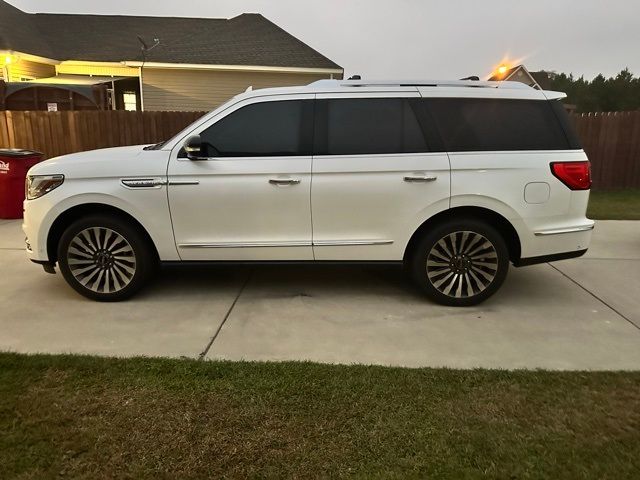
539,80
61,61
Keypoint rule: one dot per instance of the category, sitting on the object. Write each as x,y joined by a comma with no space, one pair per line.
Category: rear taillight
575,175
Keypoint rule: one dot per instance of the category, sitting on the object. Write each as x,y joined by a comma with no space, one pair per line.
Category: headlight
39,185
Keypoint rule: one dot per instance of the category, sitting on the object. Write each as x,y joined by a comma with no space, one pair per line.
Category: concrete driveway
575,314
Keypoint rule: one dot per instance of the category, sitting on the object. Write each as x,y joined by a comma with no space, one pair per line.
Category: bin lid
18,153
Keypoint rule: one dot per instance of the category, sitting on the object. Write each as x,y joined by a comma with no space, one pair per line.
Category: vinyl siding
203,90
29,69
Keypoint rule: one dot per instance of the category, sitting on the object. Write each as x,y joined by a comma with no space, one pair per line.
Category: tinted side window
478,124
277,128
369,126
565,121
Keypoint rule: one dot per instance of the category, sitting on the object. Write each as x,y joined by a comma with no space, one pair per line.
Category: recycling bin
14,165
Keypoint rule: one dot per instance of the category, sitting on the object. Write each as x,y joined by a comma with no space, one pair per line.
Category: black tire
105,258
463,273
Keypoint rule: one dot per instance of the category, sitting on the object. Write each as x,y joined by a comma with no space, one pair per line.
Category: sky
426,39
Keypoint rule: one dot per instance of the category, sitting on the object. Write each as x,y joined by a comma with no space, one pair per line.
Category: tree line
613,94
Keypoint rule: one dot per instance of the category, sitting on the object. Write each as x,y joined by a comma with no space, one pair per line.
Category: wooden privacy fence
58,133
612,142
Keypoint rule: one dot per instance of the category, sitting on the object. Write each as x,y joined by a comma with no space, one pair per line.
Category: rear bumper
554,257
554,238
559,241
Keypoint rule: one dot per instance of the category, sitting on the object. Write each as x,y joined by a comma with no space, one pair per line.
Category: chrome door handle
420,178
284,181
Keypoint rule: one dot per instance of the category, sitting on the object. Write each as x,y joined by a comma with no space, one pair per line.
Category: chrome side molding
143,182
154,182
318,243
346,243
244,244
559,231
183,182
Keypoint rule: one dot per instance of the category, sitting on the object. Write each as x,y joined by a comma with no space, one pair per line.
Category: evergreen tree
614,94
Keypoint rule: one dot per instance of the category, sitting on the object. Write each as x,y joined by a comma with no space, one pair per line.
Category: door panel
363,209
374,177
234,212
233,206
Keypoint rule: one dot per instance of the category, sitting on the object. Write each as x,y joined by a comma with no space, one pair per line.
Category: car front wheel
104,258
461,263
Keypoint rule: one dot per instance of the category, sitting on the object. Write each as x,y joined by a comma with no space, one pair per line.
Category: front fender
150,210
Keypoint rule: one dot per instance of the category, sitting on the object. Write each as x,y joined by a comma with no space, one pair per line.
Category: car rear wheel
460,263
105,258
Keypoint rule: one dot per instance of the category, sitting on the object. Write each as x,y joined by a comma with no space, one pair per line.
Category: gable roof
542,79
248,39
518,73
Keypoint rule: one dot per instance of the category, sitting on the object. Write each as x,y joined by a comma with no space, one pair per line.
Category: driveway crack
595,296
204,353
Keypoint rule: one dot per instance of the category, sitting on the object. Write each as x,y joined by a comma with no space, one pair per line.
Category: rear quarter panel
497,180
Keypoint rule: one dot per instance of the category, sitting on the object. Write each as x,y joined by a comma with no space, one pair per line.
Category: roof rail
417,83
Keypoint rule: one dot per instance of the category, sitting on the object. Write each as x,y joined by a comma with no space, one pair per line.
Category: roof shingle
248,39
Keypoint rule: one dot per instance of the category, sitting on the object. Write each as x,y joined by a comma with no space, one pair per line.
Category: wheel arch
66,218
504,227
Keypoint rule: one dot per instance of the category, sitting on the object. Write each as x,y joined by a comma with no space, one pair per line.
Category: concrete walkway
576,314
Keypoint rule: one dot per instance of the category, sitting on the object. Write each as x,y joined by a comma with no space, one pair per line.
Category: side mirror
193,148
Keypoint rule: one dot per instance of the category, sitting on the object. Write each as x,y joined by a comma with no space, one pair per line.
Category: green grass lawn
617,205
86,417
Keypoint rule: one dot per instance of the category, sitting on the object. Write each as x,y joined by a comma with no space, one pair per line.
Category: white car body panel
90,178
364,210
247,217
499,185
349,207
234,213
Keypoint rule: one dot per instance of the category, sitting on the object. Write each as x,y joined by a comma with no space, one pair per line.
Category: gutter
247,68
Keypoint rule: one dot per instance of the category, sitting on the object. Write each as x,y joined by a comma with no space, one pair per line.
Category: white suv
453,179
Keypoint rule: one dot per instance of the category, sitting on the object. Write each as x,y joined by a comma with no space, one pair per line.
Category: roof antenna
355,77
144,48
473,78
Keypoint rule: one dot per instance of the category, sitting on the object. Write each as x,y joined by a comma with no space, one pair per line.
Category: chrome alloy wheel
101,260
462,264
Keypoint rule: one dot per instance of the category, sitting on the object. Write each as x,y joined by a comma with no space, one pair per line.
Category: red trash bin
14,165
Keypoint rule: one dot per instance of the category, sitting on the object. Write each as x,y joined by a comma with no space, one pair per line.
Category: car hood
107,162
